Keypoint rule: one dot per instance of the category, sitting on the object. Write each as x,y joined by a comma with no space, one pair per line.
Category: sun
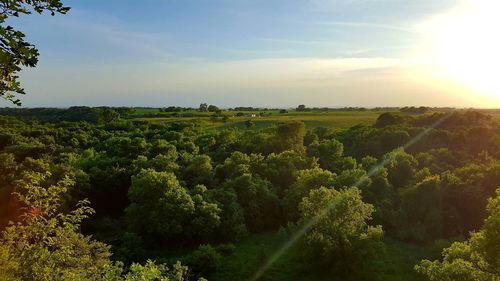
464,46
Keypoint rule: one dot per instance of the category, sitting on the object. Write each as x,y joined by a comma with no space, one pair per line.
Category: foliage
15,52
198,170
307,180
401,167
340,236
329,153
475,259
46,244
260,204
204,260
232,220
160,206
161,189
290,136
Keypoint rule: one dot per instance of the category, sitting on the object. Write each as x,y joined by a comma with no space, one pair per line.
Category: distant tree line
413,109
176,109
75,113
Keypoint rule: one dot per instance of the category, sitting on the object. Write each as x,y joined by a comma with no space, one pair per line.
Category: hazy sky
257,53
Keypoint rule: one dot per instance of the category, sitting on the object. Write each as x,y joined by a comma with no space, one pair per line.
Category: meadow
313,119
336,119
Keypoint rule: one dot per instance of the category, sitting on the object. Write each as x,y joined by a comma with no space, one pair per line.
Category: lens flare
307,225
463,45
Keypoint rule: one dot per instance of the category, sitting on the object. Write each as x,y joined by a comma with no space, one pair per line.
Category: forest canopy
121,199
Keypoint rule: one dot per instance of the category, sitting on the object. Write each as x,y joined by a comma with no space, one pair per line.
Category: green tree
281,169
47,244
152,271
204,260
8,266
388,119
310,137
477,259
260,204
249,123
340,237
424,221
352,178
393,138
232,221
401,167
159,204
198,170
206,217
290,136
15,52
8,168
307,180
329,153
301,108
203,107
212,108
234,166
109,115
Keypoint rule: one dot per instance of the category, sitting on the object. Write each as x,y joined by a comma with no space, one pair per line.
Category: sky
269,53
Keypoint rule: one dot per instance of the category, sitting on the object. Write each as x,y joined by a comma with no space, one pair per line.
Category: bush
204,260
131,248
226,249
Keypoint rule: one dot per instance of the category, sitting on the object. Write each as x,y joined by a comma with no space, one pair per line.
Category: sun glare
465,47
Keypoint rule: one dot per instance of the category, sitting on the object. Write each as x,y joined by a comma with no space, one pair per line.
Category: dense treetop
96,200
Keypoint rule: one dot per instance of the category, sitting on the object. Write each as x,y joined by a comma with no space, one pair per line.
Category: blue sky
233,52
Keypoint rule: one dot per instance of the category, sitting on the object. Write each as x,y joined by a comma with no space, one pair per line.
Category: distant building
250,115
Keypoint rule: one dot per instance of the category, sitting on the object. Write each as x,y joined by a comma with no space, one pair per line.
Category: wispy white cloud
296,41
368,25
328,5
260,82
147,70
108,32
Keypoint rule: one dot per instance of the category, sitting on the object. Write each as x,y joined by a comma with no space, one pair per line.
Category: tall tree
477,259
301,108
340,237
161,207
46,244
290,136
203,107
15,52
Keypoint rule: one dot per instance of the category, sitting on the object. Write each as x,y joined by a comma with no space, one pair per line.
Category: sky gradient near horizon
263,53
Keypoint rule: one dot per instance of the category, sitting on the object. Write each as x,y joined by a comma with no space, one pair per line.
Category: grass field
332,119
336,119
252,253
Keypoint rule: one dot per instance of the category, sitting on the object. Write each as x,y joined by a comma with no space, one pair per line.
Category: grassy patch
252,253
401,259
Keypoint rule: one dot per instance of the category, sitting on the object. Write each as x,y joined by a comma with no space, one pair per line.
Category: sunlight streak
305,227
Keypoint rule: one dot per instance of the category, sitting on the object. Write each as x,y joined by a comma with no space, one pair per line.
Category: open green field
331,119
337,119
